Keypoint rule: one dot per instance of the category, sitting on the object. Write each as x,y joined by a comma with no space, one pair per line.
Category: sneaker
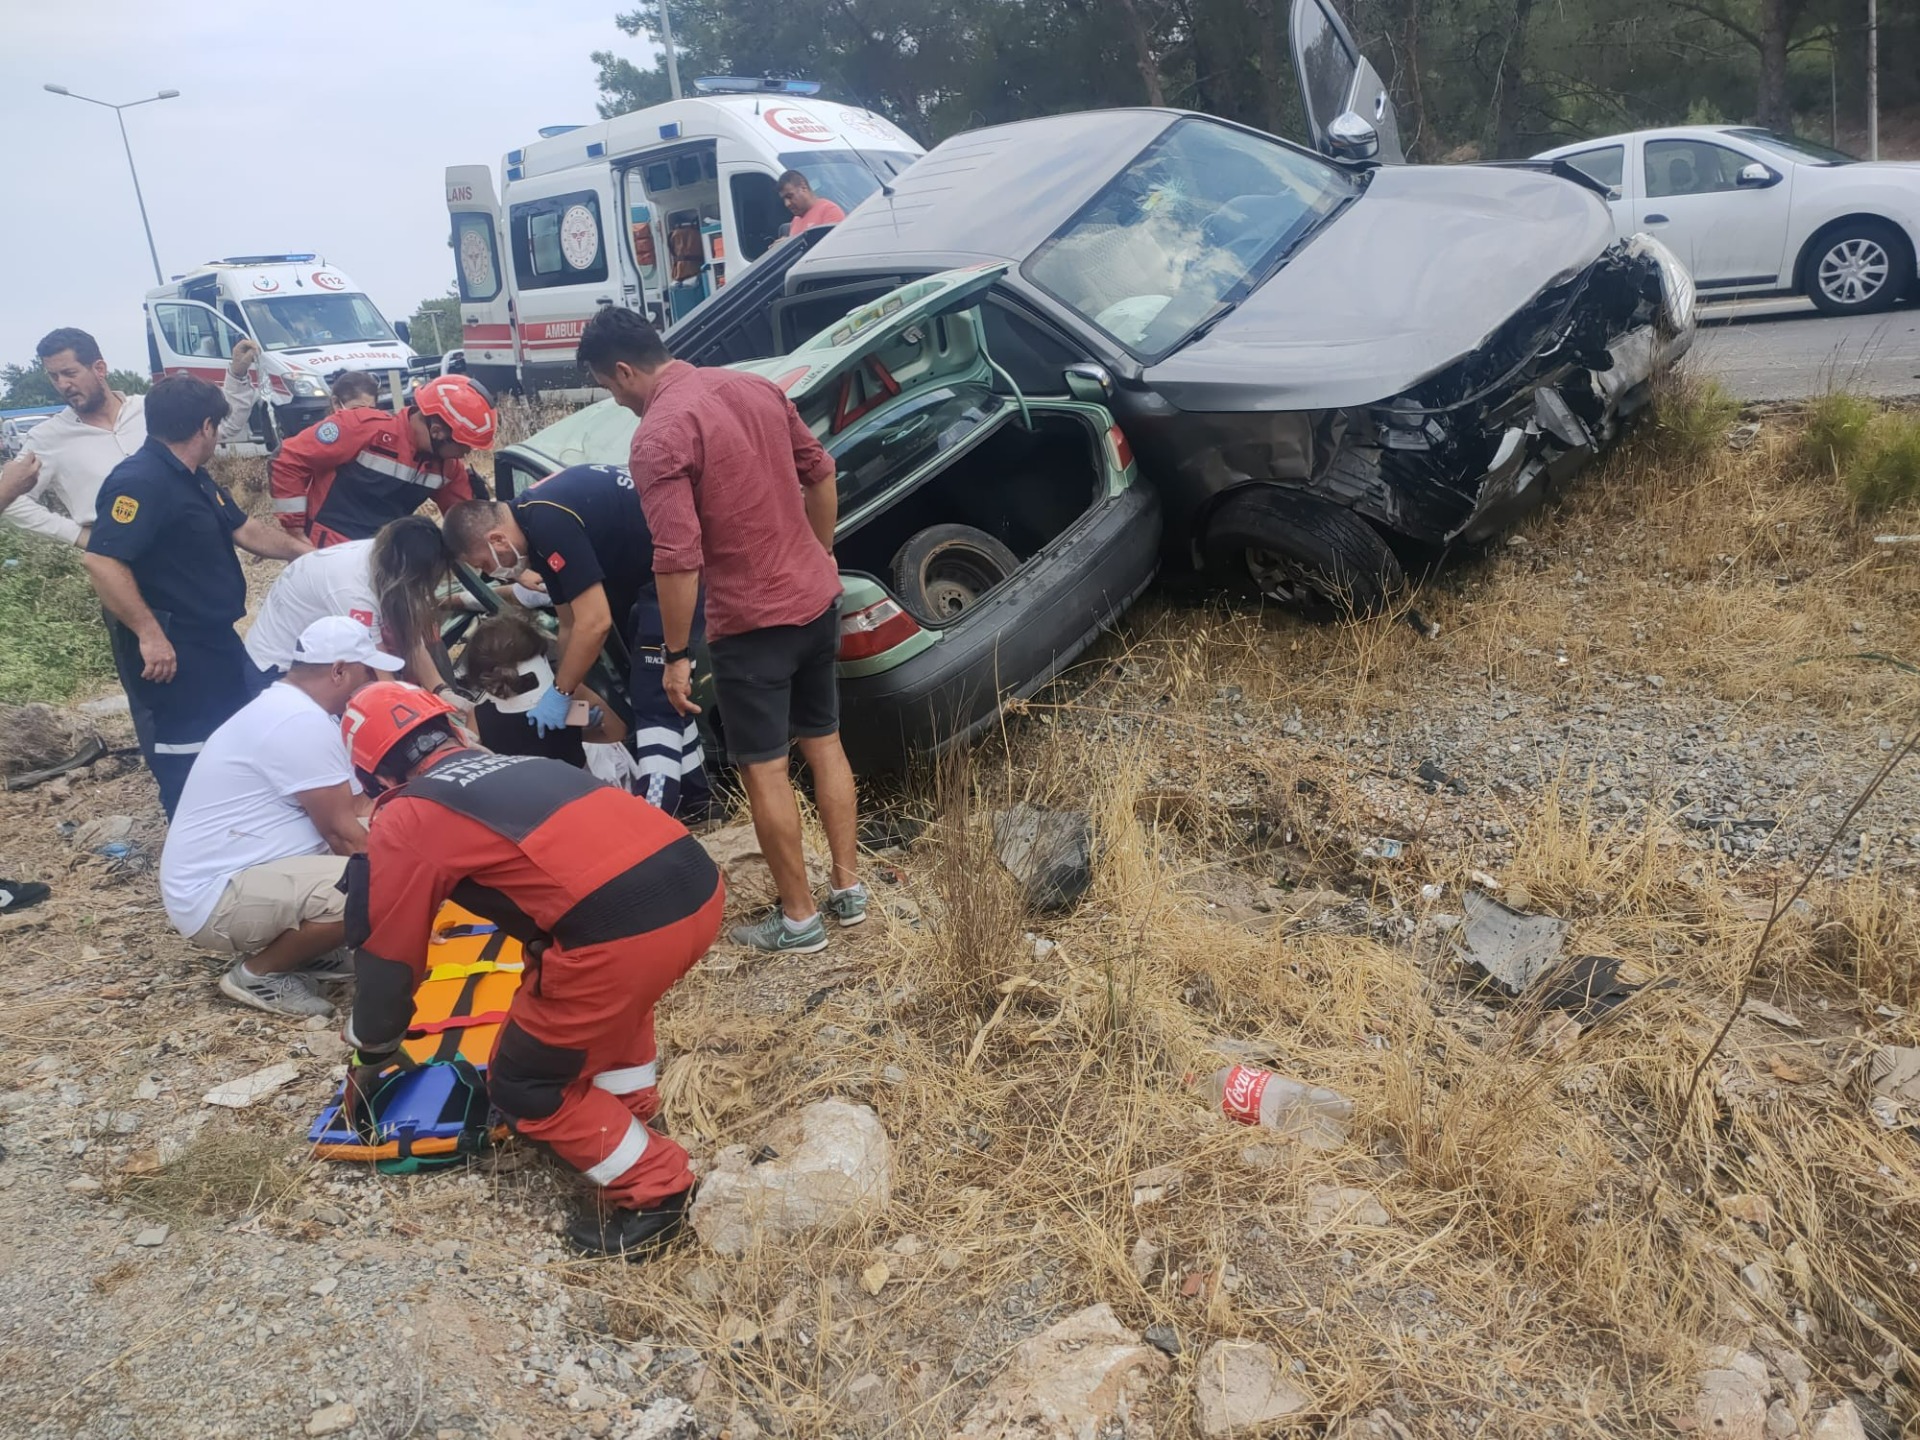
331,968
848,907
20,894
282,994
776,936
628,1234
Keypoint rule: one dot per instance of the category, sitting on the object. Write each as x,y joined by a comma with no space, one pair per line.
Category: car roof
943,209
1662,132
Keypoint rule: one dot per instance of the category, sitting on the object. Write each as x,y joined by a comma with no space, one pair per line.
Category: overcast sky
299,127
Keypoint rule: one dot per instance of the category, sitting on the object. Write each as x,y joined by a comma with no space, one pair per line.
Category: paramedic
162,560
613,900
253,860
357,469
740,499
582,531
807,209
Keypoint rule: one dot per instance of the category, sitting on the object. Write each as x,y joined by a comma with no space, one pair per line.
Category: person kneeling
255,854
612,900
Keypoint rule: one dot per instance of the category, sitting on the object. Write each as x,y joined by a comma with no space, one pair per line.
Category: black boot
629,1233
19,894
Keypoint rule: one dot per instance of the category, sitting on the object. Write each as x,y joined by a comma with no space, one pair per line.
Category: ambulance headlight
307,387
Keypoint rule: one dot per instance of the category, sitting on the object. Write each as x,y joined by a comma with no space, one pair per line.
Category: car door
192,339
563,267
1722,210
486,307
1339,87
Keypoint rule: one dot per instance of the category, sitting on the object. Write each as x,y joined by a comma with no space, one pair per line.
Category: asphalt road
1786,350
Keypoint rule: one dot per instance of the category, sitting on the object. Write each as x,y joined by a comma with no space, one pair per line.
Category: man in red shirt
807,208
739,493
359,468
613,900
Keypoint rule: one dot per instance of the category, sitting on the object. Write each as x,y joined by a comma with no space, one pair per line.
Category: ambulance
654,210
311,322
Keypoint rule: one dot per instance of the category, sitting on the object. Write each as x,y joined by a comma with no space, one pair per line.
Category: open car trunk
1022,487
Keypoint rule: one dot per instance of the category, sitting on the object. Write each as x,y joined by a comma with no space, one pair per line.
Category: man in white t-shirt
258,845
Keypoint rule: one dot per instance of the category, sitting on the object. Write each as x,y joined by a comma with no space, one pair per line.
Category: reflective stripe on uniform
626,1082
194,749
673,766
624,1157
296,506
394,470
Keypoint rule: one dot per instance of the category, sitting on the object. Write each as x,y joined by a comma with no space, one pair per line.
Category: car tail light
875,630
1118,448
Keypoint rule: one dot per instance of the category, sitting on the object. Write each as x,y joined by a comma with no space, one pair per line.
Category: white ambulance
310,319
654,210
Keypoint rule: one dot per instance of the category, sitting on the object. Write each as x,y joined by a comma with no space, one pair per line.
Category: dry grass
222,1174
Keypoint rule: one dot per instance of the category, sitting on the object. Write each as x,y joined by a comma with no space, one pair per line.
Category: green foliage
53,645
1887,471
1837,427
1691,418
129,382
26,385
435,325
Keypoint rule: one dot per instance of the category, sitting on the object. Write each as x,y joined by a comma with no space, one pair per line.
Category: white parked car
1749,210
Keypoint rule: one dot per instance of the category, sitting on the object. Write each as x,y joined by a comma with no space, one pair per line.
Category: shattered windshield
1194,223
290,322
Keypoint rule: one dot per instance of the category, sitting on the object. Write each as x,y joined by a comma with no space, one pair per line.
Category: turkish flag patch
556,562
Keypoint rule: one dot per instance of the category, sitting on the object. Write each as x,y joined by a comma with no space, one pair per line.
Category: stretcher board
458,1012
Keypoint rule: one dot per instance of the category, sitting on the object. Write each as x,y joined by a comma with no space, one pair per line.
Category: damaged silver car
1330,363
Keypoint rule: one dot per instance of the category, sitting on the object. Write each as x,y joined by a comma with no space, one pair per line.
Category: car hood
1417,272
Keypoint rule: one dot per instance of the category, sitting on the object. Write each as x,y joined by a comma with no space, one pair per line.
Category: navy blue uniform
173,528
584,527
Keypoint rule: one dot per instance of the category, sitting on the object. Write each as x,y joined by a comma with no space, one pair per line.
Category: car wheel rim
954,583
1854,271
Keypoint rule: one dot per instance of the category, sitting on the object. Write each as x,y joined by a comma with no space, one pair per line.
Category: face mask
510,571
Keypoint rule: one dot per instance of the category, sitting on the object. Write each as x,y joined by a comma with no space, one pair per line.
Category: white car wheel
1854,271
1859,267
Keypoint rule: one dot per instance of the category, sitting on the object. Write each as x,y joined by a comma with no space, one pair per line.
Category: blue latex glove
551,712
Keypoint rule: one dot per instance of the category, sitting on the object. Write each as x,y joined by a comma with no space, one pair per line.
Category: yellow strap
477,967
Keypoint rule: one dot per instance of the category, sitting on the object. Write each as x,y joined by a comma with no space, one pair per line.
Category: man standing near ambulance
360,468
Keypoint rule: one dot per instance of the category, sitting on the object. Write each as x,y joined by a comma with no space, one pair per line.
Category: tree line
1472,79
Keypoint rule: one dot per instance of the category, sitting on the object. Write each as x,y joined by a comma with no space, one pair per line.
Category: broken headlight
1676,285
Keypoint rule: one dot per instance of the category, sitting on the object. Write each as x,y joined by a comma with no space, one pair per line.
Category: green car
984,539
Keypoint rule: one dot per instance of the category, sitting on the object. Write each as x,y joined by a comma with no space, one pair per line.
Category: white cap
340,637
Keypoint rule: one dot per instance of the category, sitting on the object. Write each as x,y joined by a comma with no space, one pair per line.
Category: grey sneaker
775,936
275,994
330,968
848,907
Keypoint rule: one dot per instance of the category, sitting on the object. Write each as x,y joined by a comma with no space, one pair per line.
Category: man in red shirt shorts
739,493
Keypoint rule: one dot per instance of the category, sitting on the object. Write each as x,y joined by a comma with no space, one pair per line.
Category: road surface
1786,350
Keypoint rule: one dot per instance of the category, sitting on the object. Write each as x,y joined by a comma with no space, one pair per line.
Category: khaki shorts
262,904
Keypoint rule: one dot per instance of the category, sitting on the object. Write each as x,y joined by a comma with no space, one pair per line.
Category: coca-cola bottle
1311,1114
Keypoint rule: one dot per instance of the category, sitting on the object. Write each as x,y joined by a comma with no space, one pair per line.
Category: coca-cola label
1240,1097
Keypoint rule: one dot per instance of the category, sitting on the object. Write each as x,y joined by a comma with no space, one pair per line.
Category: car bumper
1011,645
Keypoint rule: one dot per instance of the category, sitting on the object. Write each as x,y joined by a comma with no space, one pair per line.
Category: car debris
1511,948
1050,852
1894,1078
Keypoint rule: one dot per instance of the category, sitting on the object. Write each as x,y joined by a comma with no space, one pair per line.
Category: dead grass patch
222,1174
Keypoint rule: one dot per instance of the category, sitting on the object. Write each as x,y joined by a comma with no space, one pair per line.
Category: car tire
942,572
1317,560
1858,267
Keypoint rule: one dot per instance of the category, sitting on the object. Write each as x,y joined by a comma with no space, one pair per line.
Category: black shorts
778,685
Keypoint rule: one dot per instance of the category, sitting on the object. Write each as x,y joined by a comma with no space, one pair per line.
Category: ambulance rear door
562,231
486,306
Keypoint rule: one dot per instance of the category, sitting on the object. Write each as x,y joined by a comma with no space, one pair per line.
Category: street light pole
127,145
666,44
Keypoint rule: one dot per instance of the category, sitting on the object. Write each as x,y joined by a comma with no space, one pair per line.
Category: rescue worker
613,901
161,558
583,532
357,469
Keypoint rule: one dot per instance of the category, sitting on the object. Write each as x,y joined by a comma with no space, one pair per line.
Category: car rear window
1606,164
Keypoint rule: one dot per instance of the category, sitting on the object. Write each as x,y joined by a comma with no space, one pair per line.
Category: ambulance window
193,330
475,262
759,218
659,177
558,241
686,169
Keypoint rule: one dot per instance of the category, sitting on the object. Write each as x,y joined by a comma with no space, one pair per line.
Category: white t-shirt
335,581
238,809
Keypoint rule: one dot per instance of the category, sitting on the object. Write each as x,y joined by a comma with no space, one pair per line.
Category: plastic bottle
1310,1113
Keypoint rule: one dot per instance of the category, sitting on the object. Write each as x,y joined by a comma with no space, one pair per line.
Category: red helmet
380,718
463,405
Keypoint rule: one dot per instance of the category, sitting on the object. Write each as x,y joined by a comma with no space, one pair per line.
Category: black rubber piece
1342,566
941,572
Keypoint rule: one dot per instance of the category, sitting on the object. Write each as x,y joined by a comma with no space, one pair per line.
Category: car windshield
897,443
1806,152
1194,223
294,322
847,177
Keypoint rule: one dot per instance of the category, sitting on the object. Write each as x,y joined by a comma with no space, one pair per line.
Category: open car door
486,309
1350,116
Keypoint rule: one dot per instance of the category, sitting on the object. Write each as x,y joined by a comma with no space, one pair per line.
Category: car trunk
1024,487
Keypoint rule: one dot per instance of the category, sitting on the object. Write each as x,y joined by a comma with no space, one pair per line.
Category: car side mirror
404,331
1352,137
1755,176
1089,382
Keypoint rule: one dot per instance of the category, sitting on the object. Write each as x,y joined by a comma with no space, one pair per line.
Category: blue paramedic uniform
173,527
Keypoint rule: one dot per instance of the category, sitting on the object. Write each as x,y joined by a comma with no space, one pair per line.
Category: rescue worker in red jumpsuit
357,469
613,902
